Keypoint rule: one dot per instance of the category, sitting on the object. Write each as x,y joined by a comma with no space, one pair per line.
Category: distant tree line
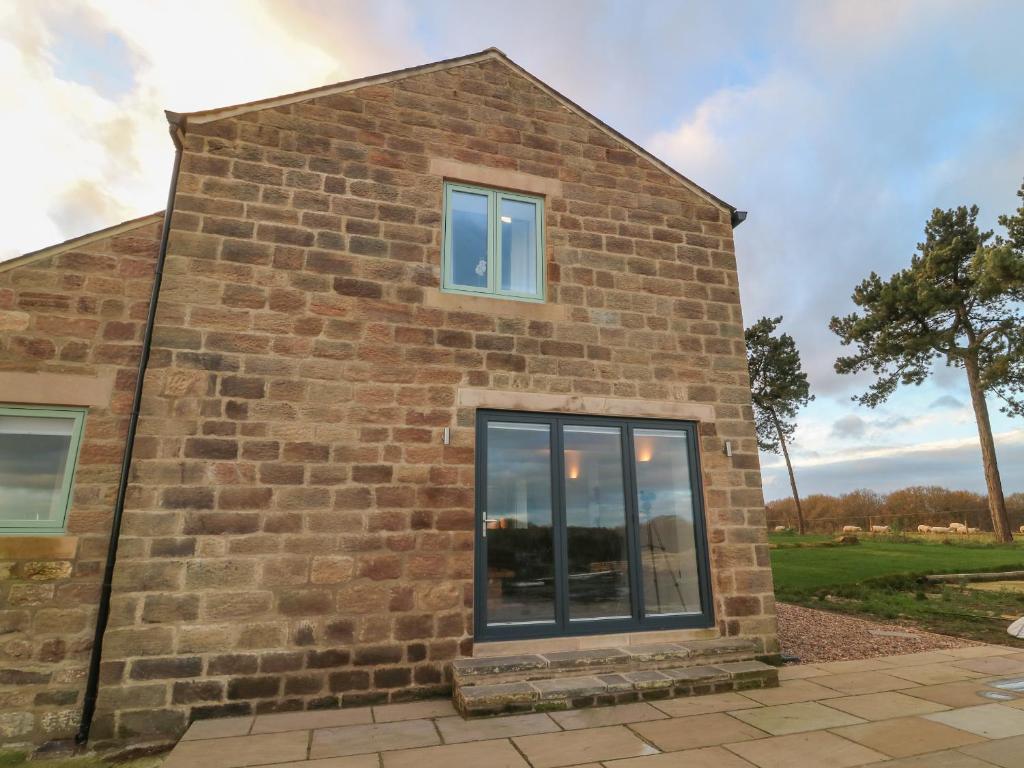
904,509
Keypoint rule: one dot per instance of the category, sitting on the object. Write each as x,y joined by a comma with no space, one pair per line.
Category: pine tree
778,388
959,301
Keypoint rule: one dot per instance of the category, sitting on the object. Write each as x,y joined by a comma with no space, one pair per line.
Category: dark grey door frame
638,622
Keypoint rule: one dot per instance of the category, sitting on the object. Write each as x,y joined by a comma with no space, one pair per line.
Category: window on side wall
493,243
38,452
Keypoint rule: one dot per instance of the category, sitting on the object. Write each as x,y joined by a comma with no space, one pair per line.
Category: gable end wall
297,535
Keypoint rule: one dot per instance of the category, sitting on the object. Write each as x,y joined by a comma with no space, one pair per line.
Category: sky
838,125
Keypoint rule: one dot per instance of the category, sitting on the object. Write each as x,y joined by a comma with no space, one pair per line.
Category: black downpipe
103,615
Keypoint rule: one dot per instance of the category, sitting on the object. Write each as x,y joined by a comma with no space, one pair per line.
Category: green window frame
62,501
494,244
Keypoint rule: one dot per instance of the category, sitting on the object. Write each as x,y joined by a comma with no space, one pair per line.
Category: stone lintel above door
536,402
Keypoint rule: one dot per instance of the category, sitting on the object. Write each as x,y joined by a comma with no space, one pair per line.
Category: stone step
572,690
634,658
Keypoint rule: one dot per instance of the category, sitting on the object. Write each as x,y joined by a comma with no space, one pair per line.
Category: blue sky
837,125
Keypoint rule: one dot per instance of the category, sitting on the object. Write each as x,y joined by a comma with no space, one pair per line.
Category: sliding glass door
587,525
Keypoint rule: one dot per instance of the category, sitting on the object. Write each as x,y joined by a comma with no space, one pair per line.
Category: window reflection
469,239
668,552
595,514
520,549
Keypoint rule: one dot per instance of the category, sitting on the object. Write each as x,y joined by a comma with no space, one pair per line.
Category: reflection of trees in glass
659,536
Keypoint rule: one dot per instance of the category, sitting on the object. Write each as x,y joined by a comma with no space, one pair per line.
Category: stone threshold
605,676
537,666
579,691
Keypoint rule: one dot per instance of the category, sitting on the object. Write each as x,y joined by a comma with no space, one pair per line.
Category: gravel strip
813,635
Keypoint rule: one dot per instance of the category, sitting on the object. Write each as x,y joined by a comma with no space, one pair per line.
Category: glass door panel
517,529
595,519
667,513
588,525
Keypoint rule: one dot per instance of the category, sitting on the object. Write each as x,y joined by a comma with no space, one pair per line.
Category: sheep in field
924,529
958,527
879,528
974,530
941,529
852,529
1022,529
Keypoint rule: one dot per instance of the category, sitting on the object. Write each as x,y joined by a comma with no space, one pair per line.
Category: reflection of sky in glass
593,472
519,473
469,239
32,466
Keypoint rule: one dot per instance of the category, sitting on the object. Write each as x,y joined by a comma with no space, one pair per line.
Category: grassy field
880,577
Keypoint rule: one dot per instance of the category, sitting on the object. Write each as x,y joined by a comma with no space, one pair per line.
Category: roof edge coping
81,240
181,120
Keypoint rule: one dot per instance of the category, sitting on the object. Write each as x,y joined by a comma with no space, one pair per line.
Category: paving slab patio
934,674
596,717
703,705
852,683
553,750
993,721
1005,753
493,754
885,706
794,718
994,665
907,736
806,750
697,731
455,730
791,692
891,712
951,759
708,757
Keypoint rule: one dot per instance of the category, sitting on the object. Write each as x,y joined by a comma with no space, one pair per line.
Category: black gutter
92,683
738,217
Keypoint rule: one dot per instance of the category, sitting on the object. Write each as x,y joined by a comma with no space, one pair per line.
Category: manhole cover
997,695
1010,684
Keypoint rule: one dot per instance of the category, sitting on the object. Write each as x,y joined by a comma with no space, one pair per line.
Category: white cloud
954,463
1003,440
84,159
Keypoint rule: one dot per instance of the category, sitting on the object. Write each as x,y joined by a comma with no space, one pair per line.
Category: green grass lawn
880,578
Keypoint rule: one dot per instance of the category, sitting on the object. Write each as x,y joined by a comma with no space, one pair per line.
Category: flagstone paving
921,710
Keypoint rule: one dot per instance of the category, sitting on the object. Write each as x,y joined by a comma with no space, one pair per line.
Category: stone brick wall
70,325
297,534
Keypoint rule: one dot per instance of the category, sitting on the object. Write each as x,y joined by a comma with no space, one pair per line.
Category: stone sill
435,298
30,547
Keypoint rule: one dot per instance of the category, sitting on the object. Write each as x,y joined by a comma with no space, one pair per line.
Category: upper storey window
493,243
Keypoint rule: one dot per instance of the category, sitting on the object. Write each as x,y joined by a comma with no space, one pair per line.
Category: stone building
442,367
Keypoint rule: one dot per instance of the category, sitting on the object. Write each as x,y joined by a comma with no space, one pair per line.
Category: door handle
484,521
